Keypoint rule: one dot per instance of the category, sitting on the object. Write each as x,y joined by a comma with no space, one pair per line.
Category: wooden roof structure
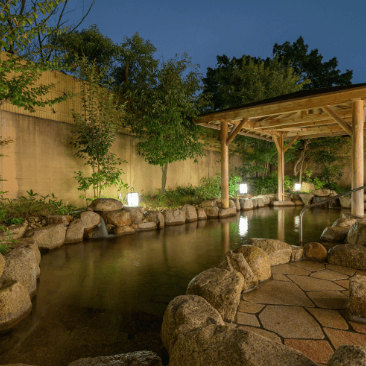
306,114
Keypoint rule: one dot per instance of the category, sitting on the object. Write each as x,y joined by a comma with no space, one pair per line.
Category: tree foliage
160,113
309,65
95,130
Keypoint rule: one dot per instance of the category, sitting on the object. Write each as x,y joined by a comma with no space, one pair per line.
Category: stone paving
303,307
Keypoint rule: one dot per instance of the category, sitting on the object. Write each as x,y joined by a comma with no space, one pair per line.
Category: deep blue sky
207,28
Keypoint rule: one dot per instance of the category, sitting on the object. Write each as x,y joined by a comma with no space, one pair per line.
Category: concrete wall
42,159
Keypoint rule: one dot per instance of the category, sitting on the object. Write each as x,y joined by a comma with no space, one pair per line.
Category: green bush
269,184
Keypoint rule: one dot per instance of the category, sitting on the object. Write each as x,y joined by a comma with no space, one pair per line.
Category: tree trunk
164,169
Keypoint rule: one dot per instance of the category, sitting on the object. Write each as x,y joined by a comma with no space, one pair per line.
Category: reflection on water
108,296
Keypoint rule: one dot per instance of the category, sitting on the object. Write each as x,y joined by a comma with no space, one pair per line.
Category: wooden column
357,205
224,166
281,166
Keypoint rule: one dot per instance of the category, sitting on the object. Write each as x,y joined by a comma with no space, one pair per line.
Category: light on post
297,186
133,199
243,188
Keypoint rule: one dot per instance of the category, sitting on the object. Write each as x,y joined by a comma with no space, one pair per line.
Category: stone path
303,307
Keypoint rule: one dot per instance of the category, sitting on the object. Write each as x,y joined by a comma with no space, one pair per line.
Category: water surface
108,296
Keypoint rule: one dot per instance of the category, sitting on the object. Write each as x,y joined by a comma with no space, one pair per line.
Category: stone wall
42,159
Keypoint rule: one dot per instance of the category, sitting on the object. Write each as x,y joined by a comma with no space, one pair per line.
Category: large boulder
21,265
345,201
218,345
90,219
344,222
29,243
237,204
226,212
278,251
266,199
315,251
15,232
348,255
236,261
220,288
306,198
321,192
155,216
136,212
212,212
117,218
75,232
191,213
123,230
106,204
59,219
246,204
138,358
174,217
255,202
209,203
349,355
335,234
15,304
144,226
307,187
231,203
297,253
356,305
48,237
185,313
260,202
257,259
201,213
357,234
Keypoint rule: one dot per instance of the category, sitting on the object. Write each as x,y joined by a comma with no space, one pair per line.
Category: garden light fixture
132,199
243,188
297,186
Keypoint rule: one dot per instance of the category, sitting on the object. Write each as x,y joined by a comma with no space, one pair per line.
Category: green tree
16,90
95,130
161,113
310,65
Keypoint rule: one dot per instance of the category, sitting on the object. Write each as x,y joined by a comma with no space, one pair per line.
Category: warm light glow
243,188
297,186
297,223
133,199
243,225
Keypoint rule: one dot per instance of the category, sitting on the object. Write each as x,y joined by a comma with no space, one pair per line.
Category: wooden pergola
302,115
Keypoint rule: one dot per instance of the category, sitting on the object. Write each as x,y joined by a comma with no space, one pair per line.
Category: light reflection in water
243,225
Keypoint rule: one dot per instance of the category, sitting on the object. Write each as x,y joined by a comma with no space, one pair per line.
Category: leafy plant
95,131
14,221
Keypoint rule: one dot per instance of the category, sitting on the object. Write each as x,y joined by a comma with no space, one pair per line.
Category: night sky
207,28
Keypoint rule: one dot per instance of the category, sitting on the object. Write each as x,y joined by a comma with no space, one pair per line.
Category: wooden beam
338,119
235,131
314,136
217,127
318,117
290,143
357,203
224,166
290,105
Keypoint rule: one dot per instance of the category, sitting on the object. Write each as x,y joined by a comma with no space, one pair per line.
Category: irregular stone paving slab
281,277
289,269
328,299
329,318
344,283
329,275
290,322
262,332
346,292
247,319
249,307
341,269
278,293
358,327
318,351
309,265
340,337
314,284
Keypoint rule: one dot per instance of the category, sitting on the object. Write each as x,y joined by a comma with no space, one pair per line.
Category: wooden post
281,166
357,205
224,166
